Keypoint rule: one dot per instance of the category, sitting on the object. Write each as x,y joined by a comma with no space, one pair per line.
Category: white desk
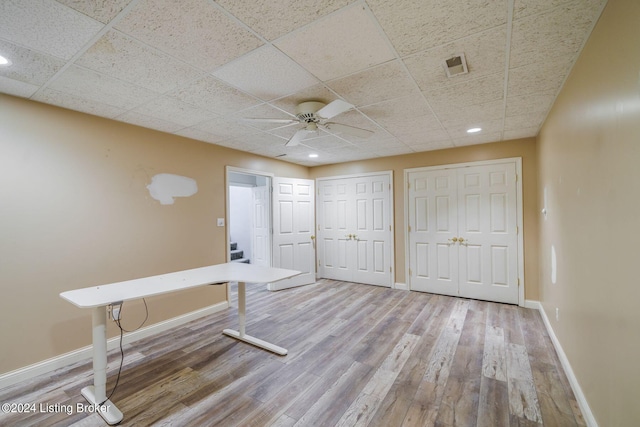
99,297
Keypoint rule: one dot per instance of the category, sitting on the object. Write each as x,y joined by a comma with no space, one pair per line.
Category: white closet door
433,218
334,229
354,229
371,230
487,224
293,229
463,239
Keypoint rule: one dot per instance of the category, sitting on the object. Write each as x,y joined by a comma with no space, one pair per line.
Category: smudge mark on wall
165,186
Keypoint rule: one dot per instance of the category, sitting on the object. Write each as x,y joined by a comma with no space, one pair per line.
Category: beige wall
75,212
589,156
525,148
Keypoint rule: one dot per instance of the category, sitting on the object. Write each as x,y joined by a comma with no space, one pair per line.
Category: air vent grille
455,65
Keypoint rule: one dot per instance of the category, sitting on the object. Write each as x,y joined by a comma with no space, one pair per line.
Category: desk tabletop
97,296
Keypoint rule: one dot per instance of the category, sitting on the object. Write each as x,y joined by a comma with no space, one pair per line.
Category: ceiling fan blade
349,130
297,137
334,108
284,121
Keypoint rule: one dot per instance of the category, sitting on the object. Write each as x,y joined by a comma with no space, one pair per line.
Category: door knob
460,240
455,239
313,237
348,236
355,237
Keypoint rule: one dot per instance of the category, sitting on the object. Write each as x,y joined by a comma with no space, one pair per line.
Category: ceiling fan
314,116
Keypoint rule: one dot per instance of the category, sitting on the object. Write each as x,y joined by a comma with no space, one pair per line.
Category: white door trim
519,215
389,173
232,169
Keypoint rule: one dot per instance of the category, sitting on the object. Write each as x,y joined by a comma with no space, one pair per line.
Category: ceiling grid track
507,64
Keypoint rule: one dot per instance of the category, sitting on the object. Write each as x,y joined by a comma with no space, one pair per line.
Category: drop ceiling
197,68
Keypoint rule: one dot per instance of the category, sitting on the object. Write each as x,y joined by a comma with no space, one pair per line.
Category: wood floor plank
494,363
358,355
523,399
493,409
366,405
328,409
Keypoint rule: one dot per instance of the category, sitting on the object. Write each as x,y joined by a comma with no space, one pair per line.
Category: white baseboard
401,286
577,391
74,356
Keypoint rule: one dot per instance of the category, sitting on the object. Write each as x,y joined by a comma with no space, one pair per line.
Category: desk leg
97,393
241,335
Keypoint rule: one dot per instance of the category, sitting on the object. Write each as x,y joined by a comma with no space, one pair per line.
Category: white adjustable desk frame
99,297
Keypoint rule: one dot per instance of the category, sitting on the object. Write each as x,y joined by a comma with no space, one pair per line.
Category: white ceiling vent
455,65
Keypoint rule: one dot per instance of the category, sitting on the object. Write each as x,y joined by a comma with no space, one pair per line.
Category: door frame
519,213
392,257
234,169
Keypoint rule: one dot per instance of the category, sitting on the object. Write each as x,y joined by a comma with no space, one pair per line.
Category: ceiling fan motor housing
306,111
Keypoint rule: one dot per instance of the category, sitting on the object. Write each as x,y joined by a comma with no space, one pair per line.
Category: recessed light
313,155
4,61
474,130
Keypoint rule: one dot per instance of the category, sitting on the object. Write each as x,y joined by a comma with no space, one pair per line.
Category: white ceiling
196,68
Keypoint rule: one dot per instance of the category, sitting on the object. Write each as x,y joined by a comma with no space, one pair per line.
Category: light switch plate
220,222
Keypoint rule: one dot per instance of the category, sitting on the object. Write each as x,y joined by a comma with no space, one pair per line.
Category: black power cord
122,331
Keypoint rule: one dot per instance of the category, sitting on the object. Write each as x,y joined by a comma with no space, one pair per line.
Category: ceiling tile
538,78
273,19
409,125
16,87
524,121
224,128
195,31
314,93
46,26
415,25
474,114
201,135
266,73
373,144
521,133
430,146
528,104
339,44
522,8
259,141
479,91
421,137
143,120
484,53
380,83
396,151
559,32
124,58
477,139
398,110
101,10
459,130
28,66
211,94
72,102
94,86
174,111
324,142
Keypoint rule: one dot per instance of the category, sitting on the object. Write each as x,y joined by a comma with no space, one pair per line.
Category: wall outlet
220,222
115,311
557,314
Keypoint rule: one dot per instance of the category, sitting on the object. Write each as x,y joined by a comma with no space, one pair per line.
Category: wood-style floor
358,356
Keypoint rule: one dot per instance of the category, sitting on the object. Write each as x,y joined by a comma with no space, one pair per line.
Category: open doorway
249,217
